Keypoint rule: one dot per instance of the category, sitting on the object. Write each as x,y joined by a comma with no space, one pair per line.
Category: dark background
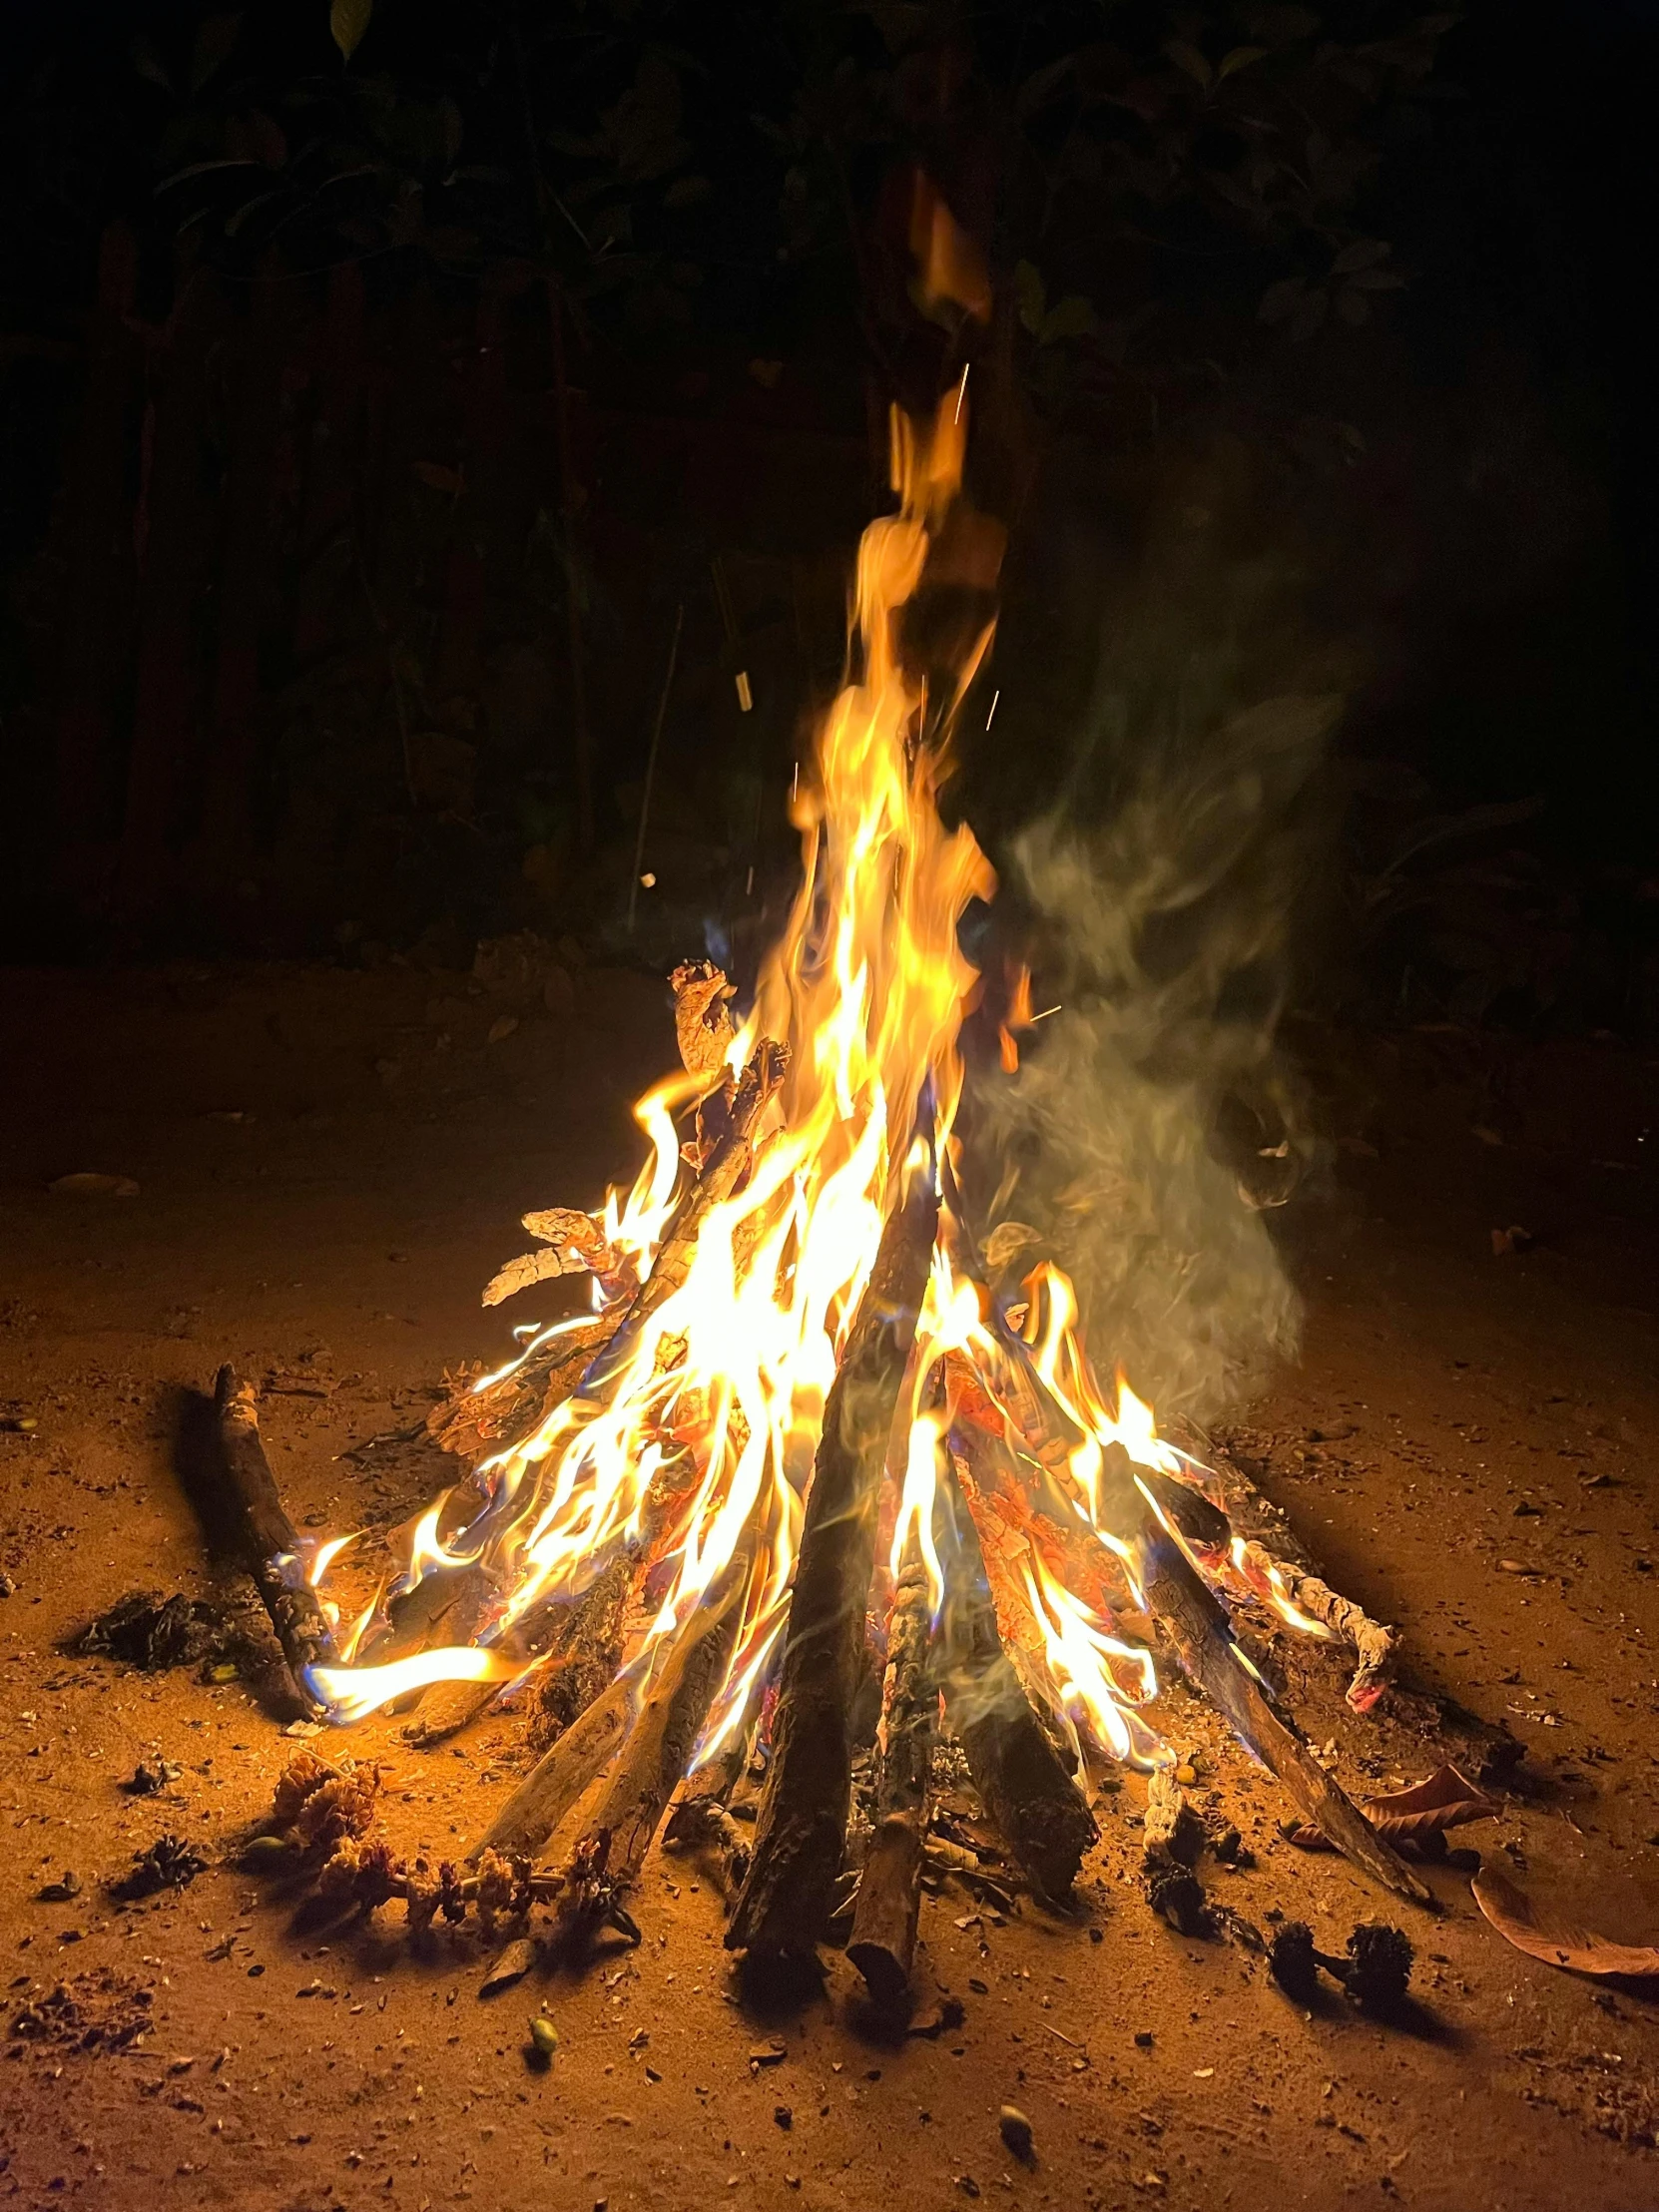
368,420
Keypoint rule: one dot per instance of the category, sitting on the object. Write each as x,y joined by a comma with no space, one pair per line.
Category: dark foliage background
379,379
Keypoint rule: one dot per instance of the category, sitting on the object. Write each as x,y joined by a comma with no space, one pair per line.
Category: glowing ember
689,1442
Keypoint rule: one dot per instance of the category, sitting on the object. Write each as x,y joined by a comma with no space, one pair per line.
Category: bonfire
812,1459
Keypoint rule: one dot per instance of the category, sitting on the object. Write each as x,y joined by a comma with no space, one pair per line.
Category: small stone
783,2115
1015,2130
1143,2039
968,2186
544,2035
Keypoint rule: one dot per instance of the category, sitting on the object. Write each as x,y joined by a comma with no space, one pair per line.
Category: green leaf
213,43
347,21
1188,58
1031,296
1240,58
1070,318
1310,315
1363,254
685,191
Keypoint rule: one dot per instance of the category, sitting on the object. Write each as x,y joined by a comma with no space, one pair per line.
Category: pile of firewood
618,1717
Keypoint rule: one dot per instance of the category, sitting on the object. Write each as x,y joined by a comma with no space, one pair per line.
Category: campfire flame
696,1440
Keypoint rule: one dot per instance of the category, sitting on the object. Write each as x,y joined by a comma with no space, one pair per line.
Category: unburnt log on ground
1017,1770
801,1830
269,1540
889,1888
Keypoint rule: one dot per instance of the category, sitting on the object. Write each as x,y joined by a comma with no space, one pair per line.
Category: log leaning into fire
563,1772
607,1859
269,1541
1198,1627
884,1919
800,1833
1017,1770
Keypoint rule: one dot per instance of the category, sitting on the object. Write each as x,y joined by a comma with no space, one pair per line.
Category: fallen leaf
87,1185
1445,1799
1557,1943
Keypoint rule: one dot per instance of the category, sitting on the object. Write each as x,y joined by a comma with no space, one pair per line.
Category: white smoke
1150,1121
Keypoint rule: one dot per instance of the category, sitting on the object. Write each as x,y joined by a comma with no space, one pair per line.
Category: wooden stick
1017,1768
719,1175
801,1830
1208,1650
889,1888
559,1777
607,1859
269,1540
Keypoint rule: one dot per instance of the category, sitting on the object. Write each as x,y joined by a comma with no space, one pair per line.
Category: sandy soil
323,1188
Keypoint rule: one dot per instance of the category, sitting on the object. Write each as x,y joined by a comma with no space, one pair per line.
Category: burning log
801,1830
270,1541
1486,1749
1210,1657
1017,1770
889,1888
726,1164
472,1421
606,1861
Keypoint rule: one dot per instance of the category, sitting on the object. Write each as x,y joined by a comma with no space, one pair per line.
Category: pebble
1015,2130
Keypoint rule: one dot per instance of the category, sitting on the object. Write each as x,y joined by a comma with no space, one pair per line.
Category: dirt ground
331,1164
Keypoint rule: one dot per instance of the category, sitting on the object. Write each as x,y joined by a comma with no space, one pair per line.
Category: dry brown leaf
1556,1943
1446,1798
703,1016
89,1185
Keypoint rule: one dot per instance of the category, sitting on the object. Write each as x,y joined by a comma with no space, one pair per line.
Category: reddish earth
1454,1410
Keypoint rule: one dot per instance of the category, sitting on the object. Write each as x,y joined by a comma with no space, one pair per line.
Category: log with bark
801,1830
1483,1748
1017,1769
606,1861
1204,1641
268,1540
1206,1649
884,1920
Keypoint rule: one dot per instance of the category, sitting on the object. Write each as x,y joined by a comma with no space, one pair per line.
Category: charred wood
1020,1776
801,1830
269,1540
607,1859
889,1888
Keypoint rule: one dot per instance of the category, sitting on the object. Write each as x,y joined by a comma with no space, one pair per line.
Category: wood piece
562,1773
606,1861
1484,1747
472,1421
1210,1657
1172,1841
801,1830
701,1818
269,1540
719,1177
1016,1769
884,1920
1371,1642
